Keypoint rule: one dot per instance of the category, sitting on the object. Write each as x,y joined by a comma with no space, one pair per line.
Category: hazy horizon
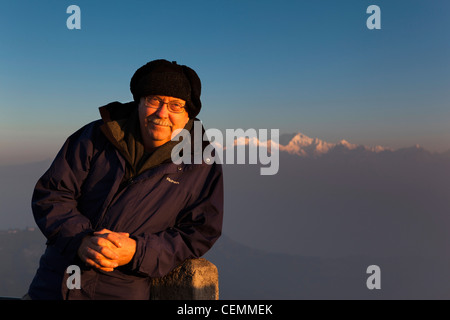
27,156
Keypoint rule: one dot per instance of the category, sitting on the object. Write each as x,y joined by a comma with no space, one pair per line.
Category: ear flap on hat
196,89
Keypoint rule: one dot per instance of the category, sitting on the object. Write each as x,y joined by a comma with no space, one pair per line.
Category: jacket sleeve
196,230
54,200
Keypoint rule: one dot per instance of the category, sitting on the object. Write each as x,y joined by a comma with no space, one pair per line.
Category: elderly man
115,204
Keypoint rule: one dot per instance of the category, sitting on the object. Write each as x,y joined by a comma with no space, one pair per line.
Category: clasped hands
106,249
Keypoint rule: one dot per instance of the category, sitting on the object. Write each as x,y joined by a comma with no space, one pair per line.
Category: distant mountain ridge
304,146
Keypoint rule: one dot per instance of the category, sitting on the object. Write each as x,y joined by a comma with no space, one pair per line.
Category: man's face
158,122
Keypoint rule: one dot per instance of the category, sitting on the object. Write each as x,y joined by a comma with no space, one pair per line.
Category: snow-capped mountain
305,146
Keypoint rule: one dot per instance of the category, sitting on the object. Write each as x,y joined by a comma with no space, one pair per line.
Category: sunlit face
158,122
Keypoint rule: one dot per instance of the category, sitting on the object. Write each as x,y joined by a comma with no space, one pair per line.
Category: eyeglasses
175,106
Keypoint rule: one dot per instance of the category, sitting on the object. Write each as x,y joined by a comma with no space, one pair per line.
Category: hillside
20,251
247,273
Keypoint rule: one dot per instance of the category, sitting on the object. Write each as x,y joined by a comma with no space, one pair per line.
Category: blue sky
298,66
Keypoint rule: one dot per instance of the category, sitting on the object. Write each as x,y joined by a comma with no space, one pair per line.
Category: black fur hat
161,77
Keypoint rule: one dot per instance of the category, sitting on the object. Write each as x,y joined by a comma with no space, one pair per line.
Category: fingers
125,234
98,260
105,231
113,237
106,252
92,263
104,246
101,250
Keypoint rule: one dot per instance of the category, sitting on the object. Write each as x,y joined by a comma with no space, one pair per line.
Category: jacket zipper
122,187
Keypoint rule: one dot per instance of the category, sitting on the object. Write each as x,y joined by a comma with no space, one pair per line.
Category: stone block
194,279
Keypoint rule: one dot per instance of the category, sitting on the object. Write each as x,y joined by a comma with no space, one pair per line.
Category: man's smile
159,122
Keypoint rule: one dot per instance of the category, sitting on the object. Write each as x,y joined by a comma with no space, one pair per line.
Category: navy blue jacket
174,212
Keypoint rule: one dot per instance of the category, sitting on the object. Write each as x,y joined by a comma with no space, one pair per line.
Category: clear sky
298,66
